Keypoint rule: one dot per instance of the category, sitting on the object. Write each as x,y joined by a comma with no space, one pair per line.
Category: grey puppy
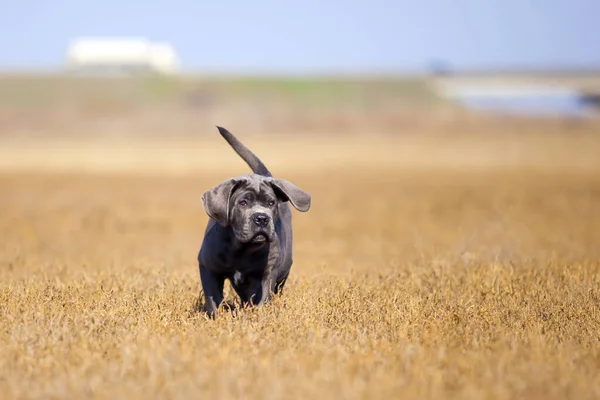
248,238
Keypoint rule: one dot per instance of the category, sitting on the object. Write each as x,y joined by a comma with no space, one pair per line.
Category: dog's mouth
260,238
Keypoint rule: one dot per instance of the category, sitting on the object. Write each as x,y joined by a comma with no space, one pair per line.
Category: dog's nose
261,219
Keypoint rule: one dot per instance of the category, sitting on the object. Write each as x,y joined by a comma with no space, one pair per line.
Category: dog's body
248,238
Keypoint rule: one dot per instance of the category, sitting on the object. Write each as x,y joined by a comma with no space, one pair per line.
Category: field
459,262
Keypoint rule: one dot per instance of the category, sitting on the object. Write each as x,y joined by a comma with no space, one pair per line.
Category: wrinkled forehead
256,184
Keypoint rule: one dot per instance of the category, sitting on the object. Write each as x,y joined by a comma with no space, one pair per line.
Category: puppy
248,238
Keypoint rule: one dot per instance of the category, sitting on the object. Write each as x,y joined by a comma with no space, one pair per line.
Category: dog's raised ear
286,190
216,200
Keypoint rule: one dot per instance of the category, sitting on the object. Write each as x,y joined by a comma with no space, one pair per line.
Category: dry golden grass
476,281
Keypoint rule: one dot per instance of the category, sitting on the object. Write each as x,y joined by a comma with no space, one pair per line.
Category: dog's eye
271,203
243,203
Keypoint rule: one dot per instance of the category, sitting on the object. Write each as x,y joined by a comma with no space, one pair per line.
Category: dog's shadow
227,307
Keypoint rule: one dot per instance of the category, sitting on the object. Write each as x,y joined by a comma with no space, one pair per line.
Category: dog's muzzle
261,229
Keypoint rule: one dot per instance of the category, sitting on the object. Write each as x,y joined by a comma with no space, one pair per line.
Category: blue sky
310,36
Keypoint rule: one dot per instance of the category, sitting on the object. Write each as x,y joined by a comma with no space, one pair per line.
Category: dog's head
249,204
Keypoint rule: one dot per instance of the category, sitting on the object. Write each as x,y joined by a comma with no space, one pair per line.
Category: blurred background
105,84
450,149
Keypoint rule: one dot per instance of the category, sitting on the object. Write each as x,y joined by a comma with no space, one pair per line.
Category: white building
121,55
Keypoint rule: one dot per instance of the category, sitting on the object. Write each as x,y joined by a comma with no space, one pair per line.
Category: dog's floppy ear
216,200
286,190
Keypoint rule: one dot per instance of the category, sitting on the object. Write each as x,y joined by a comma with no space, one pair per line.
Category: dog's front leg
212,285
267,288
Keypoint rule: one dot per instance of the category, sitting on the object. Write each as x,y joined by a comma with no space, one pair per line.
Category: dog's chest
244,277
243,266
238,278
